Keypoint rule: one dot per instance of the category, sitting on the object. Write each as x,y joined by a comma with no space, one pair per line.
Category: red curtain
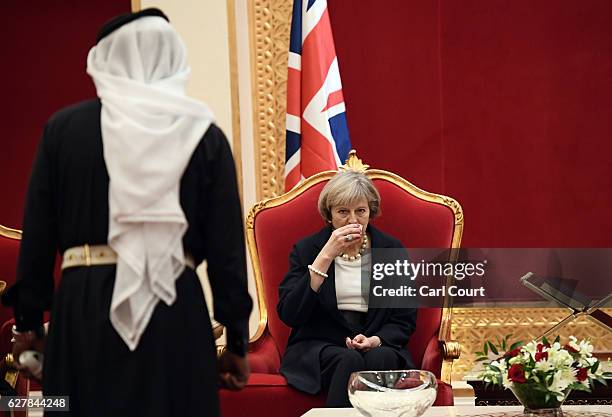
505,105
44,45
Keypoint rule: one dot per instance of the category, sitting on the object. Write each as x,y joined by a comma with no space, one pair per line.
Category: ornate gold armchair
418,218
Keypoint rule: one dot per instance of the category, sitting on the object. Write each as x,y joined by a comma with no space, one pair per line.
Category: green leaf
503,344
547,397
577,386
557,339
602,380
486,349
545,341
481,358
495,368
538,387
479,354
493,348
607,375
515,345
595,366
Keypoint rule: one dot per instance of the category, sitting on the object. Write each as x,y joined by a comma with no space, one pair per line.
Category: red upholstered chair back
9,253
416,217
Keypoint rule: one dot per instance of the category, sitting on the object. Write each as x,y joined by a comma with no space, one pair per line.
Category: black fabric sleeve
32,293
397,330
401,324
225,248
296,298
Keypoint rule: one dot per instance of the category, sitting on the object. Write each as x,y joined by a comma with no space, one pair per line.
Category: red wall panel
45,45
526,89
389,64
504,105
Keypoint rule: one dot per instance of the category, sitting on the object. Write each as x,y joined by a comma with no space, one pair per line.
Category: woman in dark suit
333,331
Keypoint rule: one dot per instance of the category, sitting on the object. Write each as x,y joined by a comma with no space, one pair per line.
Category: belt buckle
87,255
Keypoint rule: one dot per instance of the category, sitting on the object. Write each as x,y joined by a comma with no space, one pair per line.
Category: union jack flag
317,132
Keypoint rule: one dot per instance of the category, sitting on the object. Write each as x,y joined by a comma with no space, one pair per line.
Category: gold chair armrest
11,374
451,349
8,360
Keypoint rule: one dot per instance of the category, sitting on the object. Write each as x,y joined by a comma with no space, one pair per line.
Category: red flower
570,349
512,353
541,346
516,373
582,374
539,356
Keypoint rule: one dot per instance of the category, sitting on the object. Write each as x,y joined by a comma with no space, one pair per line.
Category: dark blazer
316,321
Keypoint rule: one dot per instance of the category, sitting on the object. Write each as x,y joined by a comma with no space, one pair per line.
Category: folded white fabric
150,129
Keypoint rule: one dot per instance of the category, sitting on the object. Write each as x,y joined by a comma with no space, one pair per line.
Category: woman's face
356,212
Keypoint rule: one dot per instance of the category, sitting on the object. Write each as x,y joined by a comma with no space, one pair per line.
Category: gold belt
88,255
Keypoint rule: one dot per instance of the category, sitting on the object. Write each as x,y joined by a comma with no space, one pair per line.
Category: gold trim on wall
235,92
474,325
270,22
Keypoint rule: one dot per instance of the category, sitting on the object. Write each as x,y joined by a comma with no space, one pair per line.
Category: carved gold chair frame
11,374
451,348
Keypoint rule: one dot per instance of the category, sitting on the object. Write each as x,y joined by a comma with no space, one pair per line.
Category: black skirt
172,372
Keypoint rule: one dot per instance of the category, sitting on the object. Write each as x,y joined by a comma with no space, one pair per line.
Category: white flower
543,366
500,364
585,348
560,358
530,348
505,381
561,380
573,343
587,362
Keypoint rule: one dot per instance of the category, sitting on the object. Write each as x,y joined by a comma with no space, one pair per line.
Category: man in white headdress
134,189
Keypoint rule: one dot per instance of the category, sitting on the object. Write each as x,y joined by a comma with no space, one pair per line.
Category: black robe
173,370
316,321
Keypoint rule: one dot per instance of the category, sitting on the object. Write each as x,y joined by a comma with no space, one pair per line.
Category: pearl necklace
357,256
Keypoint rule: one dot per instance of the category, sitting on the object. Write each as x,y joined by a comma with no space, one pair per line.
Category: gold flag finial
353,163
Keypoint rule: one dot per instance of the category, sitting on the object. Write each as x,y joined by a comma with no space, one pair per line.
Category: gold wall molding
471,326
233,57
270,28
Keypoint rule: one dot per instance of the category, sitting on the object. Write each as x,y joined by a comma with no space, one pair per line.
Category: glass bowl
392,393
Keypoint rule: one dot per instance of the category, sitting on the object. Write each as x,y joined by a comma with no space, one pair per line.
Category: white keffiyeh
150,129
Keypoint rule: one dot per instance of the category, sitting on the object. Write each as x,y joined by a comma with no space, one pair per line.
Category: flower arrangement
541,374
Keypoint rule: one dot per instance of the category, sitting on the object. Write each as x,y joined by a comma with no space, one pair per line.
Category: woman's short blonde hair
345,188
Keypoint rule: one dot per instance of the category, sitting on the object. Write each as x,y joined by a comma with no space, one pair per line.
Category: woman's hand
336,244
339,241
363,343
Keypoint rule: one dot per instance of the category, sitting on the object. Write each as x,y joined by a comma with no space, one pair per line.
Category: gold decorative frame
270,25
10,233
451,348
12,374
